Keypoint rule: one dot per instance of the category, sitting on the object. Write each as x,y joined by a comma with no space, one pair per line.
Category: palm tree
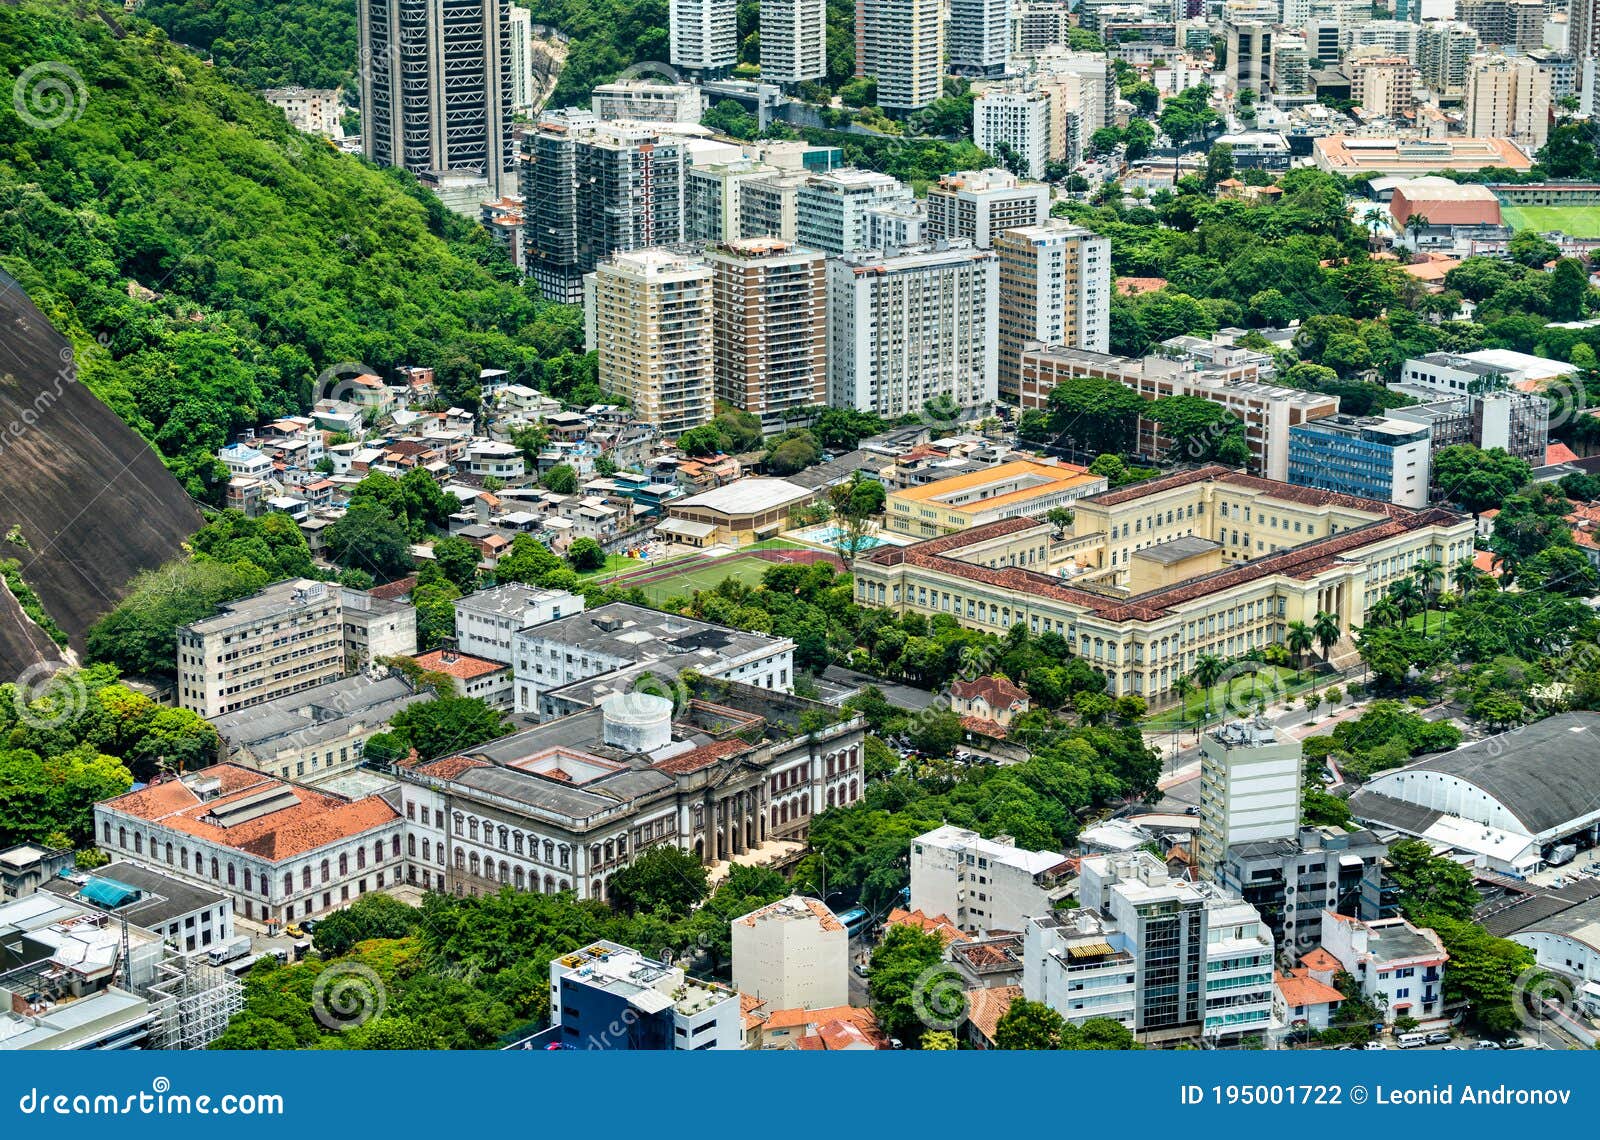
1428,574
1300,638
972,661
1325,628
1466,577
1384,612
1208,669
1406,596
1183,687
1415,224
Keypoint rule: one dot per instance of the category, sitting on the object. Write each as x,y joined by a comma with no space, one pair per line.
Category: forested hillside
256,44
208,261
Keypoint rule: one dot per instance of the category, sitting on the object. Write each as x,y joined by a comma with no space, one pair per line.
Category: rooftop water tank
637,722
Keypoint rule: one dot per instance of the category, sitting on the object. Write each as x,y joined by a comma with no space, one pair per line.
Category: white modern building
487,621
792,954
910,327
794,40
1508,97
1055,289
1399,966
978,204
1250,781
1080,965
831,208
376,627
644,101
610,996
981,884
1014,118
703,35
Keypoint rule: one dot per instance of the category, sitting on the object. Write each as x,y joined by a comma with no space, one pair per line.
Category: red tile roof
939,924
462,666
799,1018
1558,453
393,591
1298,987
1320,960
997,691
982,726
702,757
986,1007
315,819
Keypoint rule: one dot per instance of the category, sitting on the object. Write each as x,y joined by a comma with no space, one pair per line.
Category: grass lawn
704,576
1579,221
1232,698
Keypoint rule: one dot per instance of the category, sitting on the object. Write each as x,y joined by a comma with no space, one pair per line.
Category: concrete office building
703,36
769,325
912,326
487,621
1038,24
1392,37
646,101
1370,456
794,40
376,627
287,638
1016,117
1055,289
1292,881
436,94
980,32
595,189
770,207
1250,57
978,204
1250,782
609,996
713,199
982,884
190,918
831,208
651,325
792,954
900,43
1508,97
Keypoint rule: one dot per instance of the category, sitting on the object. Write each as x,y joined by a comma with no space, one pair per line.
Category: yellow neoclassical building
1150,577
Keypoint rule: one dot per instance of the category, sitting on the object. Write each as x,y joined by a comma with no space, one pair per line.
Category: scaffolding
191,1003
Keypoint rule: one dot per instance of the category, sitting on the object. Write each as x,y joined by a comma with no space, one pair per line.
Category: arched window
361,858
459,823
216,868
427,852
305,879
377,851
505,871
138,843
611,851
520,878
344,864
565,886
396,846
852,791
122,837
549,851
472,829
325,870
288,884
438,853
461,858
830,797
594,890
594,855
472,863
549,884
411,845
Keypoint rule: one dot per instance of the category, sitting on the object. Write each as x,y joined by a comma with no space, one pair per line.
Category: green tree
1029,1025
585,555
561,479
448,724
907,974
1428,884
375,915
367,538
457,560
663,877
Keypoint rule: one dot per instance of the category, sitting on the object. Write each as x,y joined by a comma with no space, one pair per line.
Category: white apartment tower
794,40
912,326
1444,54
900,43
1013,122
1250,780
832,208
1508,97
1382,85
1055,289
650,322
980,31
980,884
978,204
792,954
703,35
769,320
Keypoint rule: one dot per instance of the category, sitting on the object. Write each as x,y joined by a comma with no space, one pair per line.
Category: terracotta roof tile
463,666
702,757
939,924
983,726
1320,960
986,1007
997,691
1298,987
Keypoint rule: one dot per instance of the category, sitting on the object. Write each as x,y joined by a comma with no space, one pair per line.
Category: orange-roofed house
928,923
1006,490
992,699
1301,1001
280,850
488,681
834,1029
985,1008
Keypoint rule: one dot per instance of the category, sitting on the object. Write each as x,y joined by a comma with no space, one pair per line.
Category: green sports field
701,576
1578,221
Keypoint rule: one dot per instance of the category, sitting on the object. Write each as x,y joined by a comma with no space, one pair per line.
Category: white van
1412,1040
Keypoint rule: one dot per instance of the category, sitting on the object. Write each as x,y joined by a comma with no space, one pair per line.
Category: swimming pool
831,535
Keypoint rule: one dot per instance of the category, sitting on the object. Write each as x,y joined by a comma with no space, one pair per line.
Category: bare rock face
85,503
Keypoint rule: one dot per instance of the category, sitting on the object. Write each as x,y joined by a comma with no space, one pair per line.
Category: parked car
1511,1043
1484,1045
1438,1037
861,969
1370,1045
294,931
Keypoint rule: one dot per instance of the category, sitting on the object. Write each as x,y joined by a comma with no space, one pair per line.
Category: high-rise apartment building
288,637
649,319
1038,24
980,32
1250,778
436,94
770,207
703,35
1055,289
900,43
1291,65
713,199
913,326
769,326
1382,85
1012,121
1583,29
794,40
1508,97
646,101
831,208
1517,24
1250,57
1444,50
519,57
594,189
978,204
